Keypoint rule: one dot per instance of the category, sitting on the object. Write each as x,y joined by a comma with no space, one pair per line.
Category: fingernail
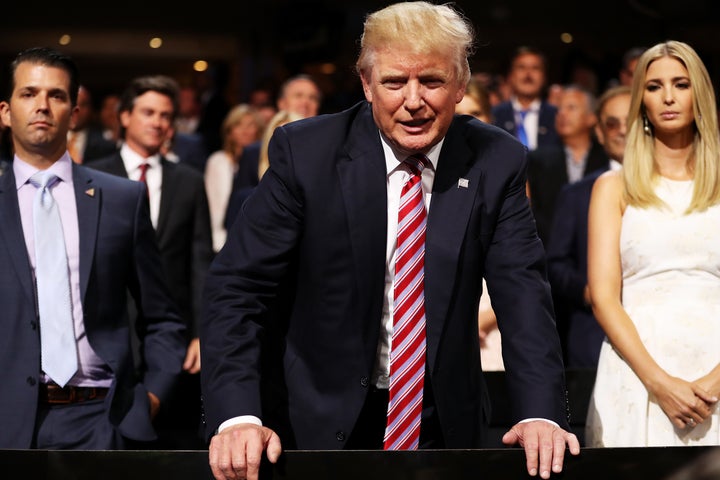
533,472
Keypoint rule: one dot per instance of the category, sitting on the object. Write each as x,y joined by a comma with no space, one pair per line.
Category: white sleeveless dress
671,291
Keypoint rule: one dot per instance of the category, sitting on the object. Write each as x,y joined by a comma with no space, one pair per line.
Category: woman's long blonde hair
640,171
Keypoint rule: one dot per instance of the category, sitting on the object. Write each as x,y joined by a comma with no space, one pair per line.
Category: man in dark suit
582,336
86,140
180,215
111,249
297,325
551,167
527,115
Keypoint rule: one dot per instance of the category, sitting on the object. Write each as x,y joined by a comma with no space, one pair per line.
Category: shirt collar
534,106
393,158
23,170
133,160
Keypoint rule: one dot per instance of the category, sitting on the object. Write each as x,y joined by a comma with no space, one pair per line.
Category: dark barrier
494,464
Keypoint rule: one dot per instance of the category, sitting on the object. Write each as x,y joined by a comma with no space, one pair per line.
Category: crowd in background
570,131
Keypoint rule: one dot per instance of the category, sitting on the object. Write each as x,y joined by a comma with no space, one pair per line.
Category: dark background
265,41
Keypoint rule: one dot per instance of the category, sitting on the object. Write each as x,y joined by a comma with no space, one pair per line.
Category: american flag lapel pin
463,183
90,192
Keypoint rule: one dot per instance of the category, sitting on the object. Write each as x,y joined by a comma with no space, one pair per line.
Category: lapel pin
463,183
90,192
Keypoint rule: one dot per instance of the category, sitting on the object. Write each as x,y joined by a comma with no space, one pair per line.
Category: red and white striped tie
407,353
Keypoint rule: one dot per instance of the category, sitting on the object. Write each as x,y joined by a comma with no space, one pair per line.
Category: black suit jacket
183,233
245,179
293,302
567,256
504,117
547,173
96,145
118,253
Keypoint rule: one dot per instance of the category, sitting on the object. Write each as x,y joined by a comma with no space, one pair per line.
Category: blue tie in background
57,333
520,128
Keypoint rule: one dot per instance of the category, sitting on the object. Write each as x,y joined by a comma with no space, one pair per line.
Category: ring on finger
691,423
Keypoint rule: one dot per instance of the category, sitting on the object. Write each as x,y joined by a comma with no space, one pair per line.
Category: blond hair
640,172
280,118
422,27
233,118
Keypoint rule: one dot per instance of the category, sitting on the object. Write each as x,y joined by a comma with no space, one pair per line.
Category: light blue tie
57,332
520,128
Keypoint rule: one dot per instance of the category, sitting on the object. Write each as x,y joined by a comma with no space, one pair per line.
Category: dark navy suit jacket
118,253
293,302
547,173
567,269
504,117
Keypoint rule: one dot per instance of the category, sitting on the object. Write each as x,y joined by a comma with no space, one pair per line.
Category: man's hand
154,404
544,445
236,452
192,357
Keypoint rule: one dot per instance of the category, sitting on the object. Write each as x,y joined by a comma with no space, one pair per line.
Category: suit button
31,381
340,436
364,381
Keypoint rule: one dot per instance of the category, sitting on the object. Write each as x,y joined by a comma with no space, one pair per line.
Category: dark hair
51,58
153,83
527,50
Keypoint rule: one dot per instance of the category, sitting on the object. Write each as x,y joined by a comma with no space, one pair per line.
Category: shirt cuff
238,420
530,420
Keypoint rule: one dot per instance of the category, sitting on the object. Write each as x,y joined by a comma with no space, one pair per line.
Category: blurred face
527,76
84,109
468,106
39,112
612,126
574,116
626,74
413,97
148,124
668,96
301,96
244,132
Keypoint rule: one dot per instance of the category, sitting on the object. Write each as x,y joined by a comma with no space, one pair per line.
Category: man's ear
73,117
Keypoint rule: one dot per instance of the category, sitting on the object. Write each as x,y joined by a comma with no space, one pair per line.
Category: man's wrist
238,420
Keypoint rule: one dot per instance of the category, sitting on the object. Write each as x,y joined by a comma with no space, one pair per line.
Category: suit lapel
12,235
363,179
168,187
88,197
454,193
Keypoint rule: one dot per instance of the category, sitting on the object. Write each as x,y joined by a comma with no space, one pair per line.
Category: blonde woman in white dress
654,263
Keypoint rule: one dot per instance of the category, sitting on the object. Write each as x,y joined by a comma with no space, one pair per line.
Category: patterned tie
407,354
521,133
57,334
143,172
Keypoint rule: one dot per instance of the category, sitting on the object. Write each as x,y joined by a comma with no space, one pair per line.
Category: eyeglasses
613,123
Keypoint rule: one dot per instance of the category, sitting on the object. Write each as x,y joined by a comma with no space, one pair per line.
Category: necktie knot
417,163
44,179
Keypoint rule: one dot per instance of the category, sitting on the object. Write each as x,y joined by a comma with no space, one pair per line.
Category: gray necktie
57,333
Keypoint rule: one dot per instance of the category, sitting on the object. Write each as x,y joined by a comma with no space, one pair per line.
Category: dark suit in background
567,271
184,238
504,117
547,173
243,182
118,253
96,145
